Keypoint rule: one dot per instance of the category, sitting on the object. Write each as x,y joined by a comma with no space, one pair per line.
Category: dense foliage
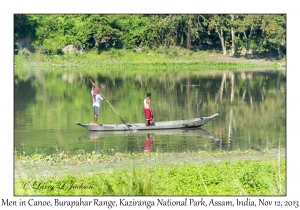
235,34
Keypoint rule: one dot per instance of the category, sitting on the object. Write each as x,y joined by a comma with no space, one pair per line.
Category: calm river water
251,104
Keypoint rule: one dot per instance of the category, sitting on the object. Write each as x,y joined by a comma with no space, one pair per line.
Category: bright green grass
239,178
154,60
237,173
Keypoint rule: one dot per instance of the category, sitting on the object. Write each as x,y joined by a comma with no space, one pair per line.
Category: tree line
232,34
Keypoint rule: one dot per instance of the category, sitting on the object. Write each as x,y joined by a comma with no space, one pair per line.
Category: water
252,108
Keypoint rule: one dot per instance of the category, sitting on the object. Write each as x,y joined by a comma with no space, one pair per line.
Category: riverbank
203,173
167,59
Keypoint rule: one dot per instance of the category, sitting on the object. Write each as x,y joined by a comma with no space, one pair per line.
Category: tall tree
252,24
188,33
274,27
219,24
232,30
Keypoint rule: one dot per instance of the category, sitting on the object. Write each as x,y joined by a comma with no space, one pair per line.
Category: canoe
189,123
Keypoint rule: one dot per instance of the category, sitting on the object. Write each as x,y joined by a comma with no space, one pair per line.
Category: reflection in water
148,143
173,140
96,148
251,104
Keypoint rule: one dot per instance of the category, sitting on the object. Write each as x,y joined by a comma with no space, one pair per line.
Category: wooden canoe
190,123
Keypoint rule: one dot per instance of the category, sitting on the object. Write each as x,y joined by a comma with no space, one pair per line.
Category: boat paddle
114,109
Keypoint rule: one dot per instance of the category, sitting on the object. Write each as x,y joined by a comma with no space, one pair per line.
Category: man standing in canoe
148,110
96,102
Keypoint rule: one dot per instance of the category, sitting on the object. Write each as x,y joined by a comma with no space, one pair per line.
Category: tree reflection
249,102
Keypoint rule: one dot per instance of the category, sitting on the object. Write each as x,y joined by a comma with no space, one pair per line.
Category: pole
113,108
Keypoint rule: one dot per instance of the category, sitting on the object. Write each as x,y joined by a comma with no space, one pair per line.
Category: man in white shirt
96,102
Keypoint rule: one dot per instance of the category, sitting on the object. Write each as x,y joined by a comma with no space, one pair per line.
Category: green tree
219,24
252,25
51,33
260,31
23,27
274,31
164,29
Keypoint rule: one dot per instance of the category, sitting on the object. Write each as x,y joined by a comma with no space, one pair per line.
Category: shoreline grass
226,178
202,173
172,59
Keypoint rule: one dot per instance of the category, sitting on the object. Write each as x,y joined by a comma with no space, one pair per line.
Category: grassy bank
203,173
162,59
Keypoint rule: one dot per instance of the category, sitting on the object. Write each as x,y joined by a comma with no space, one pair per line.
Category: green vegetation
202,173
253,173
134,61
169,55
72,90
234,34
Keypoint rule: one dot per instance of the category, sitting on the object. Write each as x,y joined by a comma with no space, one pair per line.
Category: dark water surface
251,104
